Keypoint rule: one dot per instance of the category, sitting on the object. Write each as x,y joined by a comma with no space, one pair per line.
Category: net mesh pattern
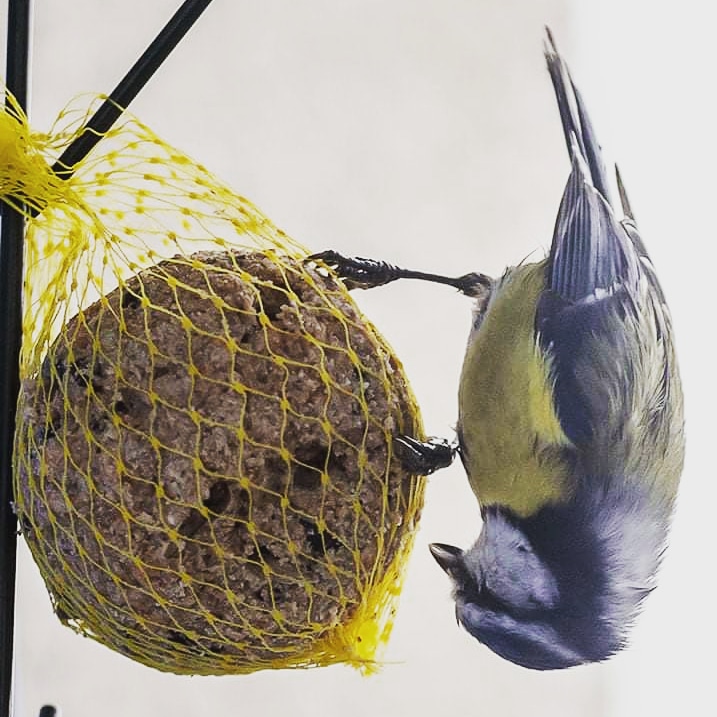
204,467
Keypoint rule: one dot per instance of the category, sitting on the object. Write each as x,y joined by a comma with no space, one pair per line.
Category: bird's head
526,607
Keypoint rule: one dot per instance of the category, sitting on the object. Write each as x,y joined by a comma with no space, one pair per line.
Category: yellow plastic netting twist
204,468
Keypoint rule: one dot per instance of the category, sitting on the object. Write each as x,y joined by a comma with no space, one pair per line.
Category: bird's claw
356,272
425,457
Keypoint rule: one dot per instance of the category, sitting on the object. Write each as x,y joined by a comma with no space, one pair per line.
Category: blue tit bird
570,424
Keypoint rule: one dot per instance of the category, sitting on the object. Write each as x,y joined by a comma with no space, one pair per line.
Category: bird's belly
512,443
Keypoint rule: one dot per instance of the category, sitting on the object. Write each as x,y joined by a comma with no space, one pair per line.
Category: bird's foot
359,273
425,457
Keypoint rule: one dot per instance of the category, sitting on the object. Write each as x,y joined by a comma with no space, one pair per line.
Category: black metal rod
11,254
130,86
12,232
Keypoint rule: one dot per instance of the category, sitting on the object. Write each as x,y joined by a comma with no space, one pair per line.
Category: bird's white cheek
523,583
509,568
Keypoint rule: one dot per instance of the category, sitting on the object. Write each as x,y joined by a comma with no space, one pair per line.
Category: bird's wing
591,253
603,300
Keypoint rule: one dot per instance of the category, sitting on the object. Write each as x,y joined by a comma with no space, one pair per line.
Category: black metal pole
11,253
11,244
130,86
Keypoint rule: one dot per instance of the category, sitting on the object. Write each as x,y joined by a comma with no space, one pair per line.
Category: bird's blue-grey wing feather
591,252
588,317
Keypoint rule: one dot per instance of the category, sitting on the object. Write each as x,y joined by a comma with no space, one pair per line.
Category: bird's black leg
359,273
424,457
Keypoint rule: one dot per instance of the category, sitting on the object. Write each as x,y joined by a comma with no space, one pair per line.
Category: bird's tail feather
591,252
575,119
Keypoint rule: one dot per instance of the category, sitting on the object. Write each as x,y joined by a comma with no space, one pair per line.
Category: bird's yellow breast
511,435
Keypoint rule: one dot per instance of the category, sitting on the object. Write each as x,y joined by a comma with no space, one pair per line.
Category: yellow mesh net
204,469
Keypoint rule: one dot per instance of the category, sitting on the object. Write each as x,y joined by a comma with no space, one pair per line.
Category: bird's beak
448,557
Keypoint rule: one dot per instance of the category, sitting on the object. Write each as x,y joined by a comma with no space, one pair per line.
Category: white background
423,132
